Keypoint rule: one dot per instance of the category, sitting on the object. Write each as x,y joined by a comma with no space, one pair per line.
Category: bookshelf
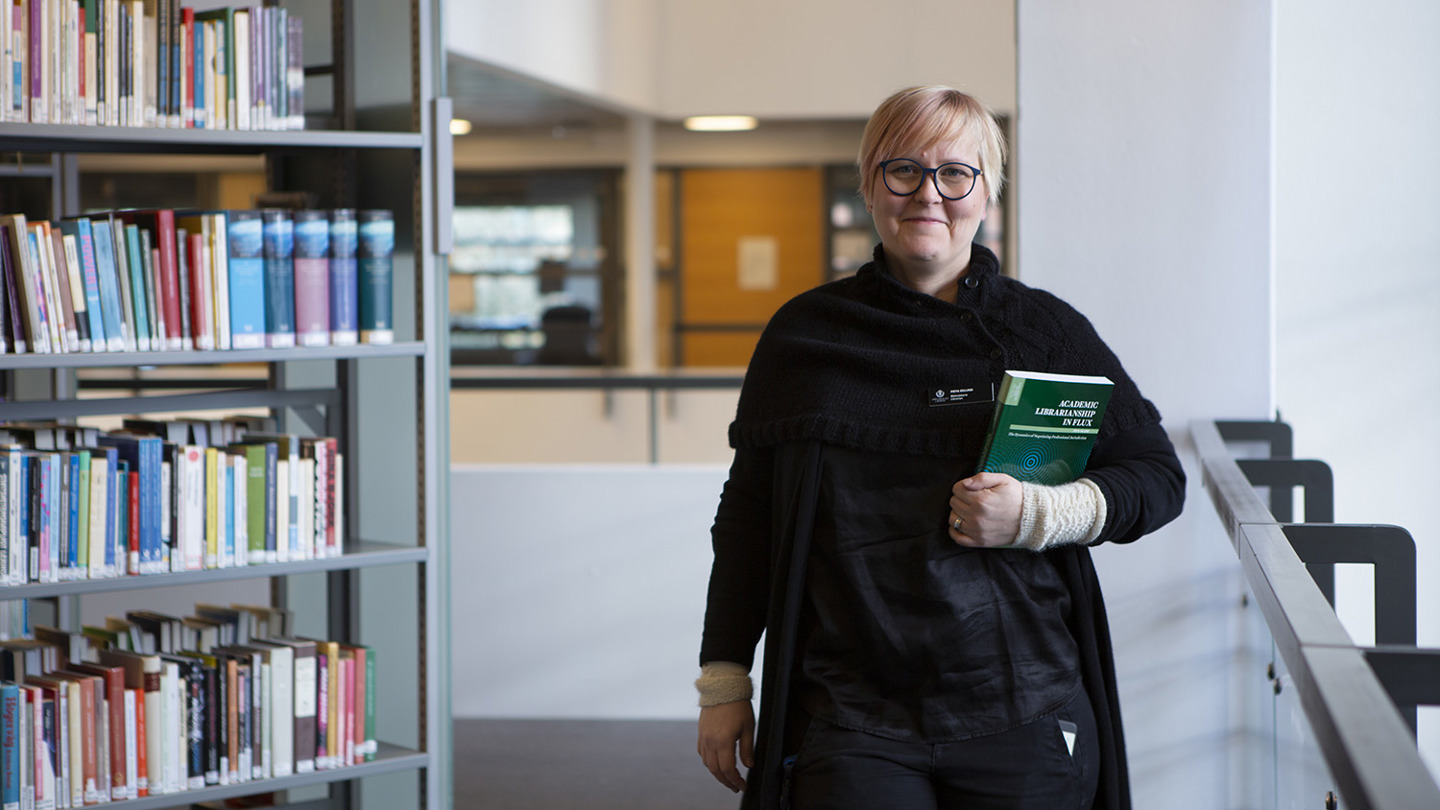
377,137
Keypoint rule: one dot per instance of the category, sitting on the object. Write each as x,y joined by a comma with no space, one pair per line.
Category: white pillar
1145,199
639,350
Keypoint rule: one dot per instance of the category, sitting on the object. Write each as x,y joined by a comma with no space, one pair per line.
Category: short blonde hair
916,118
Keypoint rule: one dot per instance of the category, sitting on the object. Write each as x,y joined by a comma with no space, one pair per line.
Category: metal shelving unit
387,404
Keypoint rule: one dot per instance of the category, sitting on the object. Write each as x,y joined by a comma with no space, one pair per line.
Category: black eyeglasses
903,176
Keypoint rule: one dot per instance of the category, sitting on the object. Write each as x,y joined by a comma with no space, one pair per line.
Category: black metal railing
1361,702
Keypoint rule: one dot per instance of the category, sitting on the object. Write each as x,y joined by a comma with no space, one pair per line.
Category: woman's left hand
986,509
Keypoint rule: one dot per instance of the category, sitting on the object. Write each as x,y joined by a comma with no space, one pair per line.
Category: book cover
22,264
312,277
89,279
280,710
45,322
144,454
279,256
71,246
138,296
103,235
305,697
192,705
287,490
161,225
122,277
1044,426
246,271
113,680
344,281
196,258
10,340
143,672
220,284
10,746
375,266
64,274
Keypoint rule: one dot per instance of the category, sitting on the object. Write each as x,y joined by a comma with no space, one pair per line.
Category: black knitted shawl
854,362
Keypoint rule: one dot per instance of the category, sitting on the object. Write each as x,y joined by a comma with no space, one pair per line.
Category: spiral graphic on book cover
1031,460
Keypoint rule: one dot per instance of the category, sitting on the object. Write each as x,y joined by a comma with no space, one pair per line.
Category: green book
1045,426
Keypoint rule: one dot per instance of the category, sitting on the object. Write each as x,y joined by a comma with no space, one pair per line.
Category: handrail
607,381
1366,741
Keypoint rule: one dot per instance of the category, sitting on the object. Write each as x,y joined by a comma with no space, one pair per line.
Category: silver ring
958,523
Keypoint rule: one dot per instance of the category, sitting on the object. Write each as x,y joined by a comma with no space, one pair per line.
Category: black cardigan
851,363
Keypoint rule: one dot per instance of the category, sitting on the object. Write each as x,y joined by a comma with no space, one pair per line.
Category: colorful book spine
279,243
312,277
109,285
344,281
375,265
245,234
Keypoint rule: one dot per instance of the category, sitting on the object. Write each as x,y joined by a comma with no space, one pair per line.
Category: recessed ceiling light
459,126
720,123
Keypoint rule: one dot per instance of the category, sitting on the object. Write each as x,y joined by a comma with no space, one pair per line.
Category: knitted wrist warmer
1060,515
723,682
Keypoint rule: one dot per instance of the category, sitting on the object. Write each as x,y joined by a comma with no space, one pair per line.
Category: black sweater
851,364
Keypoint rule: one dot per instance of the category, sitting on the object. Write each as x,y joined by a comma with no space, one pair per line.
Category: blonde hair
916,118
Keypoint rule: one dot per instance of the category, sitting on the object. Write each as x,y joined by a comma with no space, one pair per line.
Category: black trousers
1050,763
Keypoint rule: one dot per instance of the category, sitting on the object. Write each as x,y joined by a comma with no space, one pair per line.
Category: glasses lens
955,179
903,176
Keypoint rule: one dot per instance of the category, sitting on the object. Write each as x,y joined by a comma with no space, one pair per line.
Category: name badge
963,395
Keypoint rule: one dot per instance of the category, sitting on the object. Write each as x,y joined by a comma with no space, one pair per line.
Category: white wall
796,59
1144,168
580,589
1358,271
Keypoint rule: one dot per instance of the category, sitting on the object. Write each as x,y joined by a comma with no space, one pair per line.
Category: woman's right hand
722,727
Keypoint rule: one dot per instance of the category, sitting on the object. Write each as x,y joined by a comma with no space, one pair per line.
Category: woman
910,662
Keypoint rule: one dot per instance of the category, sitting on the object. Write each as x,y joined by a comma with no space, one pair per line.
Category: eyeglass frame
934,177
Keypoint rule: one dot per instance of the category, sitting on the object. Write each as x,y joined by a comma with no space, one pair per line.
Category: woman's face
927,237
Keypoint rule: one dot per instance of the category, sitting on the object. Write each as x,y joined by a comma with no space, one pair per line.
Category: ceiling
496,100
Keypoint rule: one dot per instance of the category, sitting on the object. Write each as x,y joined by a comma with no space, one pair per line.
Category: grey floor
582,765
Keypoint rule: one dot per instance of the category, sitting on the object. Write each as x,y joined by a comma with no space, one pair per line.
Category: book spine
246,257
136,267
278,229
375,265
9,747
344,278
312,278
108,284
90,281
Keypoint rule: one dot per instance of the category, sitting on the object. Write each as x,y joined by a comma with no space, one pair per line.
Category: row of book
165,280
152,63
205,702
163,496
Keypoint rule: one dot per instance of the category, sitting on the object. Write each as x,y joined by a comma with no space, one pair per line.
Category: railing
606,381
1359,703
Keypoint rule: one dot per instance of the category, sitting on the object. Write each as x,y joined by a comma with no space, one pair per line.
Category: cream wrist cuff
723,682
1061,515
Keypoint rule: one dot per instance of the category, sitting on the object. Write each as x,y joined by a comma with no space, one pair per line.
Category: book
375,266
279,255
109,282
312,277
142,672
344,281
280,710
10,746
160,223
1044,425
304,692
